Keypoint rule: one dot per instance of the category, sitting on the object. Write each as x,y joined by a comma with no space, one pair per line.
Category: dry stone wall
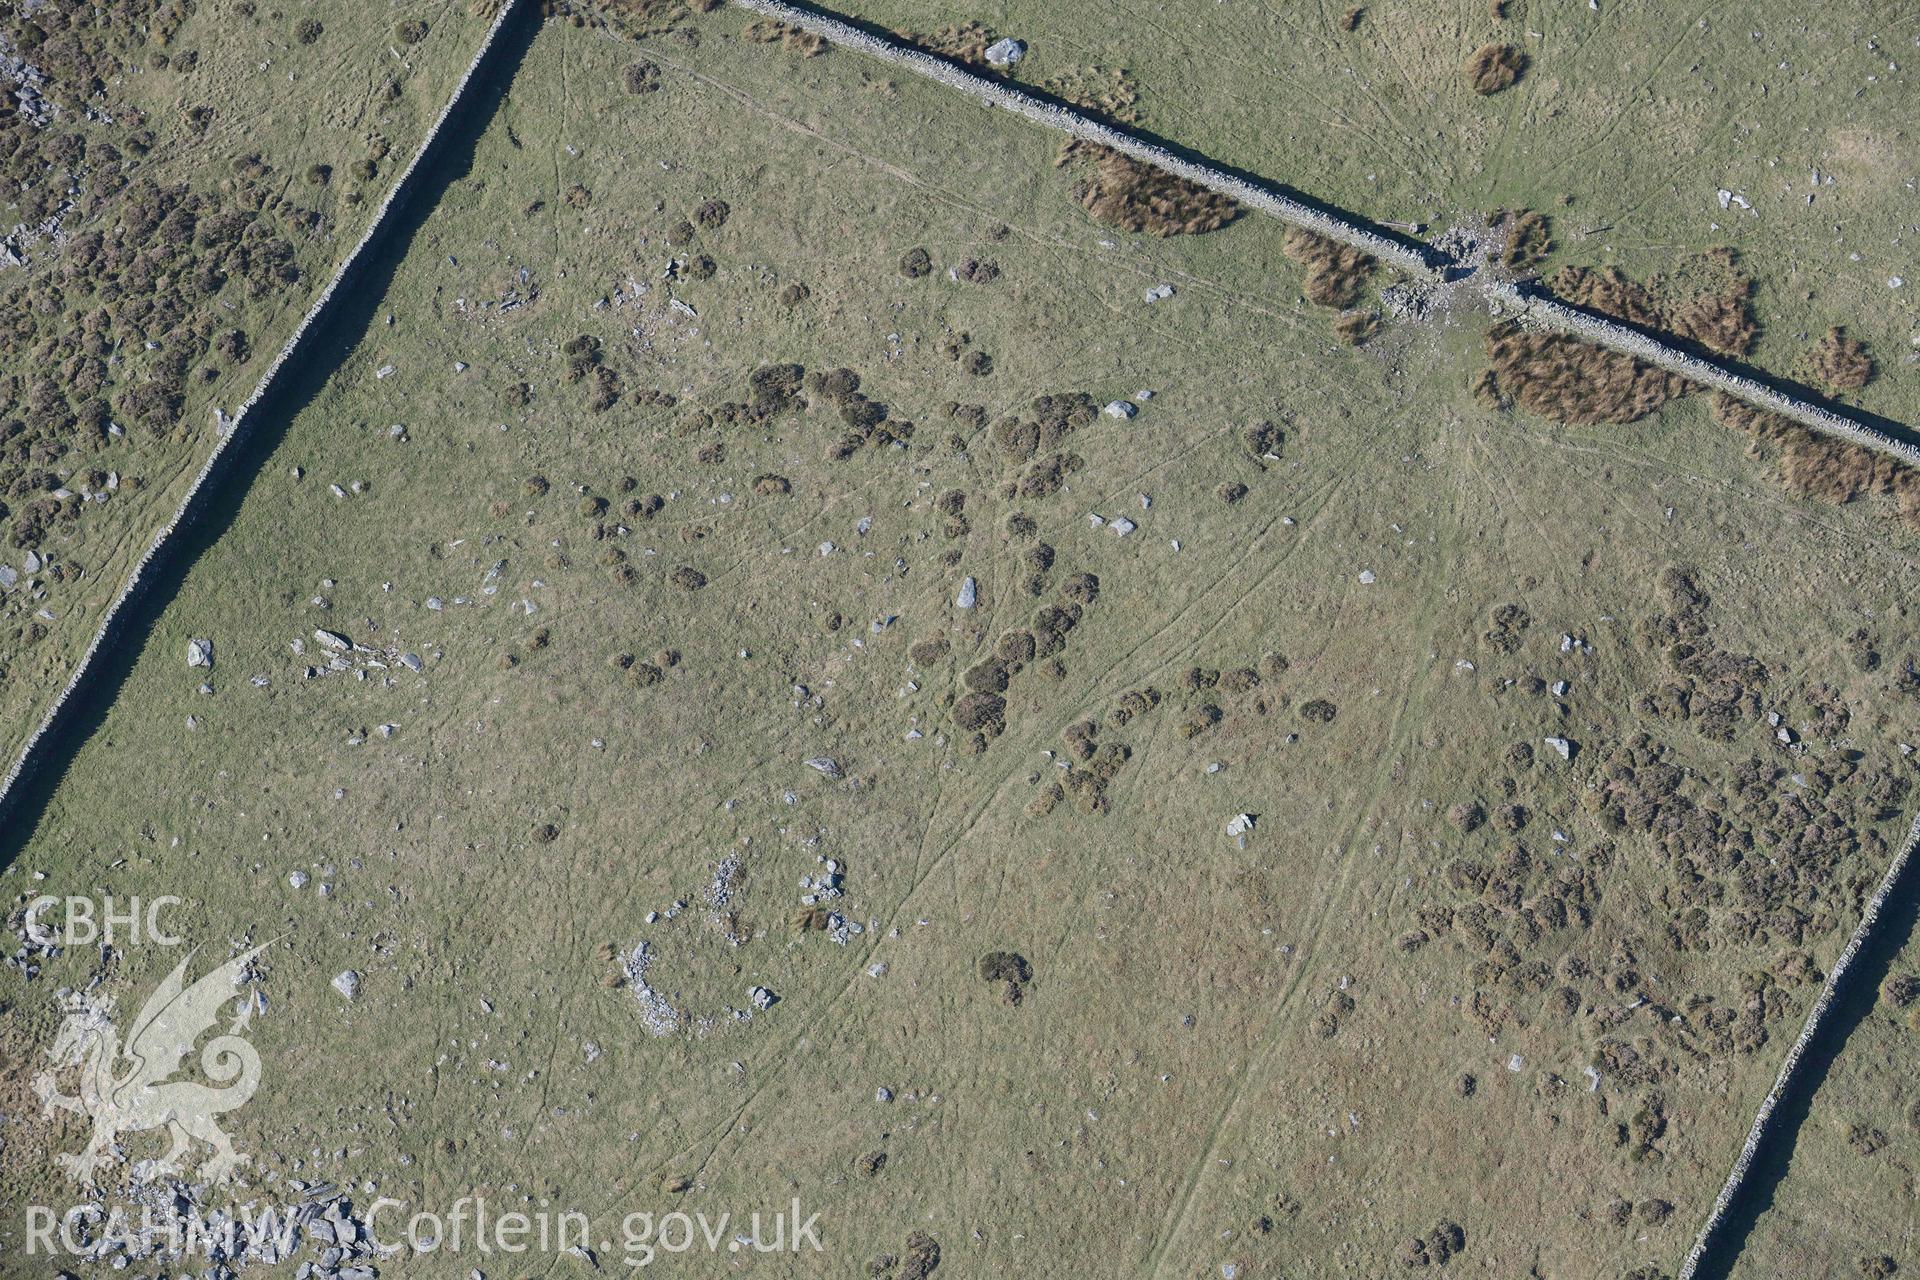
1000,94
1415,260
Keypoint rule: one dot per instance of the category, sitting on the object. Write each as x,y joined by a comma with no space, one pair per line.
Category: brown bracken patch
636,17
1125,193
1813,465
1336,273
1841,363
1357,328
1113,94
1493,67
966,43
1718,322
1608,291
1528,236
793,39
1558,377
1707,300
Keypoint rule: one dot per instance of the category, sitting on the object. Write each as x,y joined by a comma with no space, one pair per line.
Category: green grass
1164,1086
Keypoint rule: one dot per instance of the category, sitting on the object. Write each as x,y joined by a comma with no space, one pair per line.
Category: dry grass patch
1357,328
631,17
1707,299
966,43
1493,67
1113,94
1570,381
1528,237
1125,193
1609,291
793,39
1336,273
1841,363
1813,465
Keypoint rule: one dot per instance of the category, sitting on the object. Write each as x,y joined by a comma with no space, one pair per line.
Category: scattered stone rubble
657,1013
343,654
167,1223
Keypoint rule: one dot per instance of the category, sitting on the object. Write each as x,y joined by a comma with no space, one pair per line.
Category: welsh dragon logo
127,1089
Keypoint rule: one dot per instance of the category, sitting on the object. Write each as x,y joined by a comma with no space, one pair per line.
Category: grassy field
230,156
1451,1001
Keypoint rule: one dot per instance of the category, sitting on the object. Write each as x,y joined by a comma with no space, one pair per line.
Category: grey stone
332,639
199,653
347,983
1005,52
969,595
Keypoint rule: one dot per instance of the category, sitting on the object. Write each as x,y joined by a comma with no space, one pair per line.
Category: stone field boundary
1421,263
1001,94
